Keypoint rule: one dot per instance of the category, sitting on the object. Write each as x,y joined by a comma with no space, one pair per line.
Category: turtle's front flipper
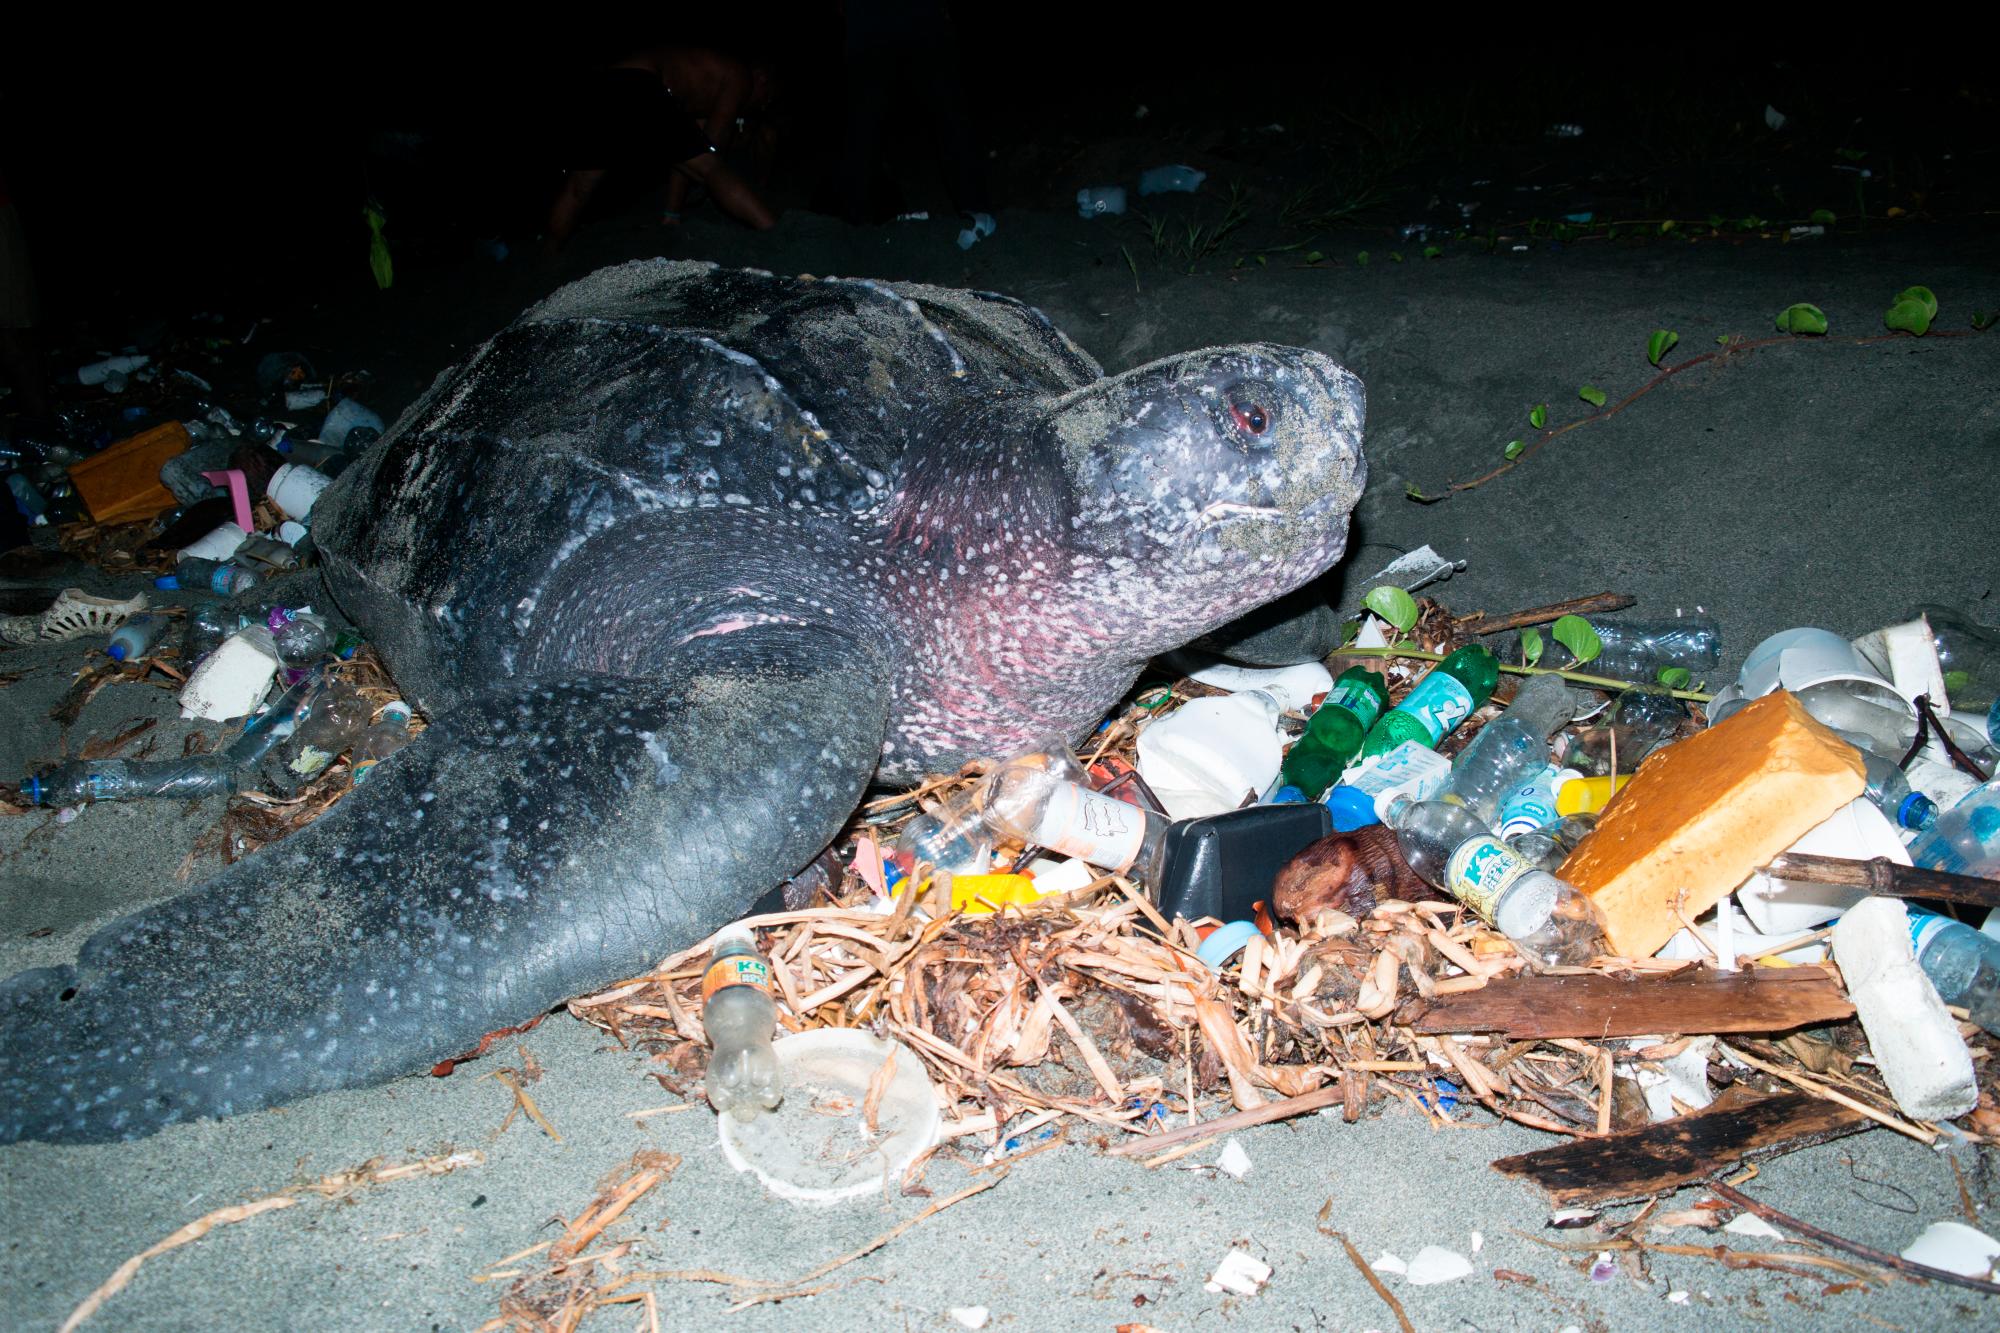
544,840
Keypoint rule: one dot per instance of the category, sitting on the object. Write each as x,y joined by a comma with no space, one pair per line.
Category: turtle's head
1227,473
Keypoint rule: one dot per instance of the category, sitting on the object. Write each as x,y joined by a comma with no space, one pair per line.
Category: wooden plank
1635,1163
1594,1006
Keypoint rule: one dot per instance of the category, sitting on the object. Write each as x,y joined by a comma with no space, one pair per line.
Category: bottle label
1530,806
1440,702
1357,698
1924,926
1480,872
1091,826
736,970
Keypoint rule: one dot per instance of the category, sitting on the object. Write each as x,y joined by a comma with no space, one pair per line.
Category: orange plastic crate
121,482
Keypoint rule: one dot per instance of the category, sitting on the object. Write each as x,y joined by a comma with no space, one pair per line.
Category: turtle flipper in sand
675,566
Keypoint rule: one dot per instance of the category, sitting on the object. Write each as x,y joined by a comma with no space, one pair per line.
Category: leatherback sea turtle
675,566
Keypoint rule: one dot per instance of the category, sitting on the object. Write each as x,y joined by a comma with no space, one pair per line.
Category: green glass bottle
1442,699
1335,731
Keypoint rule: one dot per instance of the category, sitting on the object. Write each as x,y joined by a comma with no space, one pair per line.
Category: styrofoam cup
295,488
1798,659
231,681
1788,907
219,544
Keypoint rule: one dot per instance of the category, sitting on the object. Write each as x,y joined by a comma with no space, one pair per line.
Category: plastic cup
219,544
296,489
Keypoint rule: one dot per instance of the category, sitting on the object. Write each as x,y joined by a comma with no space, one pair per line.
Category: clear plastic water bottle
1335,731
207,626
1177,178
1038,805
1965,840
952,838
83,780
1509,748
1963,964
336,721
136,637
216,576
1100,200
1549,922
740,1017
1894,796
1969,654
1636,650
1445,697
1638,722
390,733
301,636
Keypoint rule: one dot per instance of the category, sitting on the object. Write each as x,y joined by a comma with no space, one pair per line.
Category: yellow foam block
1702,814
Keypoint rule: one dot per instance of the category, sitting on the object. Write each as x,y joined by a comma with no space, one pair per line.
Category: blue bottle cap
116,652
167,581
1352,809
1225,942
1287,795
32,788
1917,811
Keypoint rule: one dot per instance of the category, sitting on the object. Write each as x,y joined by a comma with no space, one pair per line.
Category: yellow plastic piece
1586,796
977,895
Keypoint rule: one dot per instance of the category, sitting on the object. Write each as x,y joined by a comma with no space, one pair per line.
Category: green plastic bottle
1442,699
1335,731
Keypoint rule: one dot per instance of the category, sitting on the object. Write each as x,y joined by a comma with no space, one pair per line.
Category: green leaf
1922,295
379,262
1852,154
1362,259
1393,605
1514,448
1312,257
1575,634
1675,678
1660,344
1539,417
1531,646
1805,317
1410,492
1910,316
1396,256
1822,217
1432,251
1956,681
1983,319
1349,631
1591,394
1666,226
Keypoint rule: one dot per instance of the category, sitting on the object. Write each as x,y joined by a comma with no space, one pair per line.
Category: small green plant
379,262
1515,448
1531,646
1591,394
1393,605
1660,344
1822,217
1189,241
1912,311
1575,634
1132,264
1982,320
1412,492
1803,318
1433,251
1538,417
1361,258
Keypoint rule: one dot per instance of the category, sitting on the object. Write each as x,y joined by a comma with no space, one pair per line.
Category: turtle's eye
1251,416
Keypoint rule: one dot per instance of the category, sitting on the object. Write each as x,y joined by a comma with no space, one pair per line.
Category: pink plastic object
239,494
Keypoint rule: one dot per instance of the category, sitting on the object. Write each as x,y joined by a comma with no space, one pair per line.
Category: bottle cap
167,581
1917,811
116,652
1352,808
1287,795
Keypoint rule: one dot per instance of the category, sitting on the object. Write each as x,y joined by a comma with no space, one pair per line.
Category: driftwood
1886,879
1635,1163
1479,622
1594,1005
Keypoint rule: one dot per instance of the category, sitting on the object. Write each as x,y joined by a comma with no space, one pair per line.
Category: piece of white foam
1914,1040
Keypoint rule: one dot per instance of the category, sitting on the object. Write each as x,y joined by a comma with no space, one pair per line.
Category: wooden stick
1886,879
1872,1255
193,1231
1479,622
1262,1115
1388,1297
1804,1084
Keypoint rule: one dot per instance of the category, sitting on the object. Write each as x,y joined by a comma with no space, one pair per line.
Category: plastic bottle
136,637
1100,200
259,550
1894,796
207,626
1871,715
1509,748
1444,698
1638,722
1965,840
390,733
335,721
1969,654
1364,794
1174,179
1550,923
952,838
216,576
84,780
1041,807
1962,963
1532,804
739,1015
301,636
1335,731
1636,650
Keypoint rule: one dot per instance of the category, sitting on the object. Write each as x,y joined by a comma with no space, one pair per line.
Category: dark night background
223,165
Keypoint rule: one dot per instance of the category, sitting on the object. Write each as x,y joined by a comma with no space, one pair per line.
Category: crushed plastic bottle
1639,721
1039,805
1637,650
1965,840
336,721
1100,201
1176,178
216,576
739,1015
1962,963
1969,655
1550,923
390,733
